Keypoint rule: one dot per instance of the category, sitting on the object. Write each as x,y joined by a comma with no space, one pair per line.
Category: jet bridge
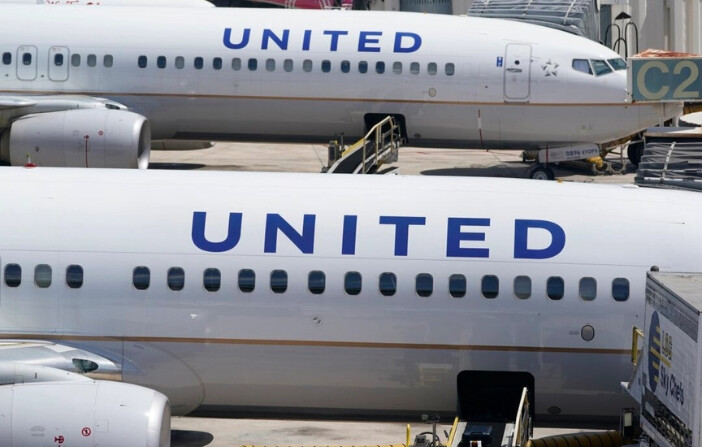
379,146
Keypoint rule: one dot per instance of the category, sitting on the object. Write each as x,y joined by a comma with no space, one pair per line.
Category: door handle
514,70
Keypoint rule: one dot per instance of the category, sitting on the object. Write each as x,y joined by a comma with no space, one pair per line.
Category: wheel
635,151
541,173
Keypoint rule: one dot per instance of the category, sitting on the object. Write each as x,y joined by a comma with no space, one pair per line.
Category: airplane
163,3
130,295
86,86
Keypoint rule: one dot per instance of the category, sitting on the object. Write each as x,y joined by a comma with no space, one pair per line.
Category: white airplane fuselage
289,75
334,352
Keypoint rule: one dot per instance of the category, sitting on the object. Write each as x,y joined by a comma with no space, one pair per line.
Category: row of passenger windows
316,282
43,276
59,59
326,66
251,64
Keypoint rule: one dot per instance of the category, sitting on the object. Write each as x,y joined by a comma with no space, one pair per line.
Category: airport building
627,25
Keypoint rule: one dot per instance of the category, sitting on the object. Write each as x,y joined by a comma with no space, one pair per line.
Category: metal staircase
380,145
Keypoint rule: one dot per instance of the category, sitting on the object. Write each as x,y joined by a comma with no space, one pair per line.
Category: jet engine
83,413
101,138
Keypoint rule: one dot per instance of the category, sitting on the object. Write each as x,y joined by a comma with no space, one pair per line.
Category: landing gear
635,151
541,172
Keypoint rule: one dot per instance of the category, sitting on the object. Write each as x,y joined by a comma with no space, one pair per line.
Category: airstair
495,408
379,146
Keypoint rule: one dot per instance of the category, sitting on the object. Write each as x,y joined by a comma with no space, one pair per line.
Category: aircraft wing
13,102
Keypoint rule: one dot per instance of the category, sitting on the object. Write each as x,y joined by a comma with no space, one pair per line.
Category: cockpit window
617,64
600,67
582,65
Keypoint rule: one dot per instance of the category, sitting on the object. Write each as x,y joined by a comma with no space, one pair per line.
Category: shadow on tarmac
190,438
511,170
176,166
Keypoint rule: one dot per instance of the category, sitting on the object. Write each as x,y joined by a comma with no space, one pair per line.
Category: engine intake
96,138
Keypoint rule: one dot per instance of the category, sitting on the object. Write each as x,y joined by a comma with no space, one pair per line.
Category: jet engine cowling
102,138
85,413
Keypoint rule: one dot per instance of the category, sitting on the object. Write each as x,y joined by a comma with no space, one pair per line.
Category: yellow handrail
636,333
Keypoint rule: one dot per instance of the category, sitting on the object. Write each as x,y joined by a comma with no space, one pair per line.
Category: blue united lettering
464,237
326,40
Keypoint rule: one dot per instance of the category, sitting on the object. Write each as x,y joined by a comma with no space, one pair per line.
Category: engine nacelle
83,413
97,138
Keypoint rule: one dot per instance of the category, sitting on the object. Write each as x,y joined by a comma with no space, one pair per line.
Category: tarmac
412,161
213,432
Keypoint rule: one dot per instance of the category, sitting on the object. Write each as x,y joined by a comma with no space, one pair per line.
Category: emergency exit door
517,73
27,63
58,63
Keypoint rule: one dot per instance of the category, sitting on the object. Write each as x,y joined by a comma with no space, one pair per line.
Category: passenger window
387,284
217,63
490,286
345,66
431,68
363,67
75,60
316,282
27,59
397,67
179,62
42,275
91,60
58,60
279,281
449,69
211,279
424,285
555,287
582,65
352,283
600,67
176,278
13,275
307,65
253,64
620,289
108,61
270,64
198,63
380,67
142,61
414,68
247,280
522,287
7,58
457,285
288,65
326,66
141,278
74,276
161,62
236,64
588,289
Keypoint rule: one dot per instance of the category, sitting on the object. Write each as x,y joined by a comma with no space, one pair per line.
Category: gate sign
665,78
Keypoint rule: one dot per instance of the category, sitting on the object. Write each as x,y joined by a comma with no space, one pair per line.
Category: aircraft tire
634,152
541,173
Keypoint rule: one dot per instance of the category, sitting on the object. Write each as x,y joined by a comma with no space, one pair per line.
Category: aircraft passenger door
27,63
517,72
58,63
